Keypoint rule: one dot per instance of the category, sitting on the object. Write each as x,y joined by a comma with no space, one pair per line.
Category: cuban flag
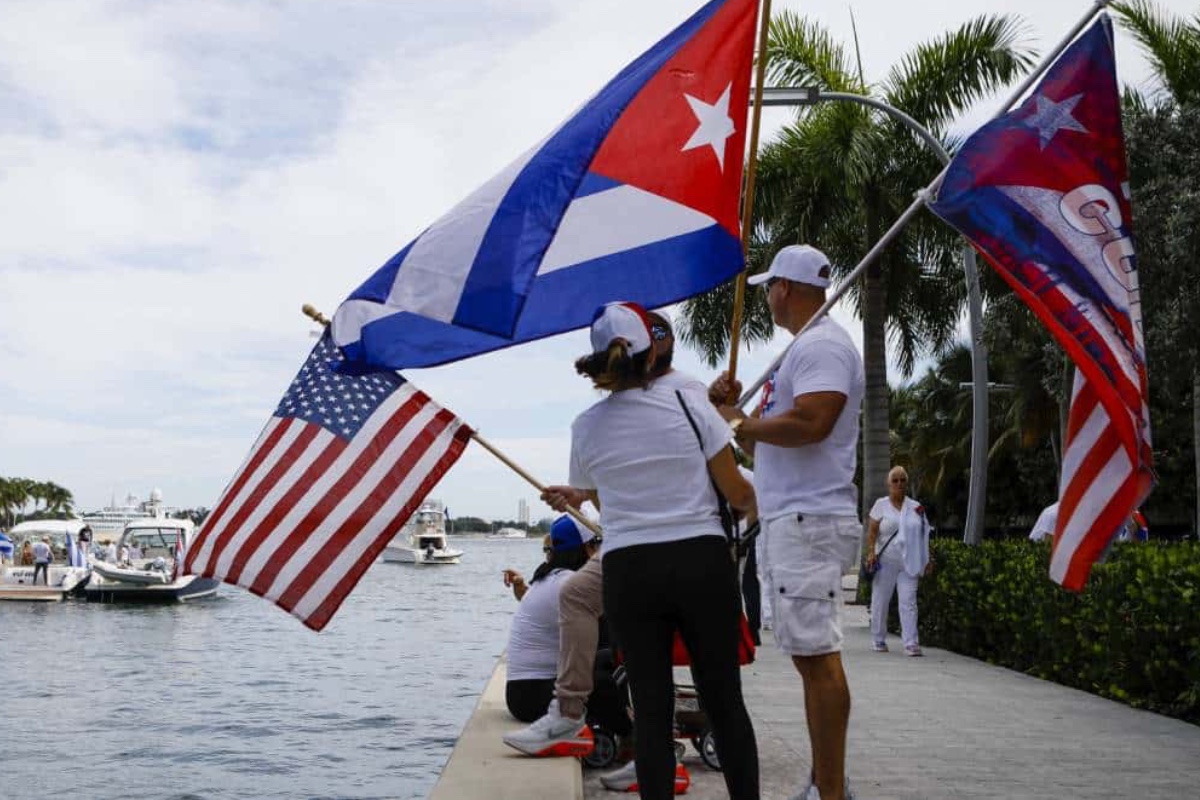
1043,193
634,197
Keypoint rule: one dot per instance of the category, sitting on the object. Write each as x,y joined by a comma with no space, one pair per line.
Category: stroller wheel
605,751
706,745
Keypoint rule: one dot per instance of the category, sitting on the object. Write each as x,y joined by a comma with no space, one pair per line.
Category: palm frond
1171,43
941,78
800,52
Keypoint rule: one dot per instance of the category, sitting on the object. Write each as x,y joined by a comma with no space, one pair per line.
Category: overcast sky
178,178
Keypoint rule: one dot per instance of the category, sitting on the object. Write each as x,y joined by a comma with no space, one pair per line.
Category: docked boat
149,575
64,579
422,540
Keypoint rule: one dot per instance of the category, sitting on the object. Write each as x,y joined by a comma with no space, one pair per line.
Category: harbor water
233,698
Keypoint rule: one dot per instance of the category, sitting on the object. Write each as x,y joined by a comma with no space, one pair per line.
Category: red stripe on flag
325,458
321,615
344,484
256,458
357,523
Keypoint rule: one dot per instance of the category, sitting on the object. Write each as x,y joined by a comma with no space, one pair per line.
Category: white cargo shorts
805,557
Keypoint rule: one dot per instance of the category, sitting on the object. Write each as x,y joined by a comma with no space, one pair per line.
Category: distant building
523,512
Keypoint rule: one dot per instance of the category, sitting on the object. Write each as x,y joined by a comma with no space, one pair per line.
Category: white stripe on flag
430,282
616,220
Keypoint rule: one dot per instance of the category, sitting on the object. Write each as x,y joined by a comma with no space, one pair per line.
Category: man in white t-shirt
804,438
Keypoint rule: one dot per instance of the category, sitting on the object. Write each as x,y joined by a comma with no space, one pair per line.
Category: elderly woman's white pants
891,577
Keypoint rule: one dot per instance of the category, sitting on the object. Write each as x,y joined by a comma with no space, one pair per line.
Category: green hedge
1132,635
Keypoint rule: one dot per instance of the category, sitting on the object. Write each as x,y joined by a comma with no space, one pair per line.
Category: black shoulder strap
724,511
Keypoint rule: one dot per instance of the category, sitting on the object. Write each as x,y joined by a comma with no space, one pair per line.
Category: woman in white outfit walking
898,541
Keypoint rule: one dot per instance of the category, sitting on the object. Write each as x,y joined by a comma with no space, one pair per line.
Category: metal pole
977,487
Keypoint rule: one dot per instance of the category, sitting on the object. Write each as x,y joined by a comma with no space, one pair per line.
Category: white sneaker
553,735
621,780
811,792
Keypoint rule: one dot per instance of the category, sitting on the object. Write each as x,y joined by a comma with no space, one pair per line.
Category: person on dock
533,642
898,544
804,440
666,561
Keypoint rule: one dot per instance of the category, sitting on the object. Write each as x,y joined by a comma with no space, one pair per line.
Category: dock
942,726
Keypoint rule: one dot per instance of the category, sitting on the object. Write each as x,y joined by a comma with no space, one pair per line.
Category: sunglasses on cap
659,331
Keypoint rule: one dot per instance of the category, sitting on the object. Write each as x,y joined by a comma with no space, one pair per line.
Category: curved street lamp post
977,491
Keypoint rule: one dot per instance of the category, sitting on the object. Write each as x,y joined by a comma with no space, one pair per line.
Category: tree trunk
1196,443
876,425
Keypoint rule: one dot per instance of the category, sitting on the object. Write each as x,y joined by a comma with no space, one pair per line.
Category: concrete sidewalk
946,726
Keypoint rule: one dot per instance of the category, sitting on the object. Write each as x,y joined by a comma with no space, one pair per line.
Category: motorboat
64,579
508,533
148,573
422,540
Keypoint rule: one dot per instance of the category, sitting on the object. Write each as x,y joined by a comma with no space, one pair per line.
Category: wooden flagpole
739,288
312,313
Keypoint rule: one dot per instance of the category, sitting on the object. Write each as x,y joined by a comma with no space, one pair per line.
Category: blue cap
567,534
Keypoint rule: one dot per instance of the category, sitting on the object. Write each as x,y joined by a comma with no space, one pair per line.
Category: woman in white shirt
898,541
648,455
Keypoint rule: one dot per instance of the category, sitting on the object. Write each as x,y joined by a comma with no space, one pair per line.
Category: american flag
338,469
1043,193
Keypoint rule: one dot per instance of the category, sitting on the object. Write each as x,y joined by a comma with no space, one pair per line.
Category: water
233,698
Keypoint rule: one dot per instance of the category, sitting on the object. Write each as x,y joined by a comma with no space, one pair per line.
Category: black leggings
527,700
44,569
650,591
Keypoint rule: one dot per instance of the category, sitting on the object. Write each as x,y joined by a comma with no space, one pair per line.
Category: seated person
533,641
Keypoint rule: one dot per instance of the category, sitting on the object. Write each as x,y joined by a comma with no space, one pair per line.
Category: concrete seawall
482,767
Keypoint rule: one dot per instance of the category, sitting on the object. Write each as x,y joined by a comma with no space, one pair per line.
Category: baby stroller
690,725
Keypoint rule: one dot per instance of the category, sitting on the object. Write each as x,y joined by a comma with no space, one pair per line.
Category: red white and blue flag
336,472
1043,193
634,197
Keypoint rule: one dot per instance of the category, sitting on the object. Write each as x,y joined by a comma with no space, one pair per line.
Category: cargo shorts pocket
805,600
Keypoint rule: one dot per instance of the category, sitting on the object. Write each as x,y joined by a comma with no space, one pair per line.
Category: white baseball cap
801,263
621,320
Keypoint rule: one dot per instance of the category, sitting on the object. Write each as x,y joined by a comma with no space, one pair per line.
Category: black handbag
867,573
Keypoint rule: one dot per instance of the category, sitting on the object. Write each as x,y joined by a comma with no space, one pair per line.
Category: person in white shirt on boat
110,551
42,556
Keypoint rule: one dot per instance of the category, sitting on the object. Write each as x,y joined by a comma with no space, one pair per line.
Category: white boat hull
190,587
16,583
408,555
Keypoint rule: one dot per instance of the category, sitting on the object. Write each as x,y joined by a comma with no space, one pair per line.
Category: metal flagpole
311,312
739,287
923,197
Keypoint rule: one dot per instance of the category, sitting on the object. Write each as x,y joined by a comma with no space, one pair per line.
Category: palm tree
1172,45
838,176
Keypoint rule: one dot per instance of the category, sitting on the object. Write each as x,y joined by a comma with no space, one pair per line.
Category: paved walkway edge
482,767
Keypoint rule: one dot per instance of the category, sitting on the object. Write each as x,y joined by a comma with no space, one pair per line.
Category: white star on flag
1052,117
715,125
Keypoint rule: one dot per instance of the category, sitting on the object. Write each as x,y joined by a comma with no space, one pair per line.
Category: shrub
1132,635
